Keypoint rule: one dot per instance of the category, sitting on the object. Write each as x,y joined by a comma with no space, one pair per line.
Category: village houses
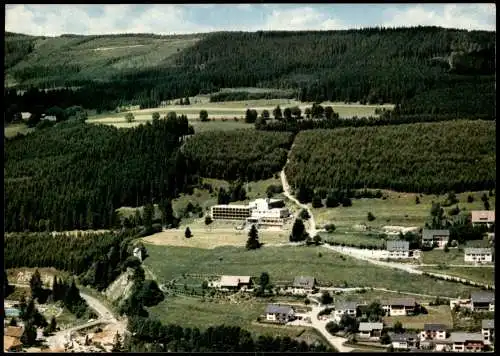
279,313
401,306
370,330
488,330
478,255
466,342
433,332
404,341
483,217
438,238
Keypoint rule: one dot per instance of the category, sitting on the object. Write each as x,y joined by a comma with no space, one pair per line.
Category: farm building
402,306
483,217
467,342
433,332
482,301
488,330
370,330
25,115
260,212
303,285
231,283
478,255
280,313
398,248
438,237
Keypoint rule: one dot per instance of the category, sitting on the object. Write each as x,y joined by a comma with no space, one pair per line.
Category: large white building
260,212
478,255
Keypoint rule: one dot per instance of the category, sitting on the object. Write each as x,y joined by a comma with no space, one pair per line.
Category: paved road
286,190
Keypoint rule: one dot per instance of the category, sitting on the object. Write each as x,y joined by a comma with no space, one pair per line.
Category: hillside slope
369,65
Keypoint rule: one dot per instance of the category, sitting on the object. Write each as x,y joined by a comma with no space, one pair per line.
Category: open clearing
229,110
476,274
286,262
12,130
440,314
397,209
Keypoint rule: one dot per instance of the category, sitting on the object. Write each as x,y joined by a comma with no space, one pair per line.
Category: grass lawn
397,209
436,315
193,312
476,274
284,263
470,323
12,130
455,256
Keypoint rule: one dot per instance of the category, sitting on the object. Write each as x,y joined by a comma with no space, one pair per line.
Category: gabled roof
234,281
478,250
14,331
10,341
370,326
482,297
407,302
278,309
304,282
402,337
463,337
487,216
488,324
435,327
397,245
346,305
429,234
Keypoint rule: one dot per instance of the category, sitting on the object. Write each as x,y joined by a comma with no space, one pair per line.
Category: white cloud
305,18
463,16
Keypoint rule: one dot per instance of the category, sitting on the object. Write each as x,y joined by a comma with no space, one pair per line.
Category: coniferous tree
253,239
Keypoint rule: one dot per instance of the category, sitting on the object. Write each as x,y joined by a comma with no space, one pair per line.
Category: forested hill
372,65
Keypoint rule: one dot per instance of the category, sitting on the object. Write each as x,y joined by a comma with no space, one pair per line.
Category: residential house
370,330
303,285
467,342
25,115
230,283
483,217
12,344
280,313
482,301
478,255
400,306
488,330
405,341
439,237
433,332
398,248
342,308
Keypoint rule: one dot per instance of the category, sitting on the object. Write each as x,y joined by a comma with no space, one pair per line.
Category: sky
54,20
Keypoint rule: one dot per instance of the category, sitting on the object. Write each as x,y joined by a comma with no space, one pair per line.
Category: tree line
427,158
153,336
238,154
75,175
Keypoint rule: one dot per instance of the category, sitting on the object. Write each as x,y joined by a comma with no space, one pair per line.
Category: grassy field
229,110
396,209
284,263
347,237
12,130
452,257
192,312
436,315
476,274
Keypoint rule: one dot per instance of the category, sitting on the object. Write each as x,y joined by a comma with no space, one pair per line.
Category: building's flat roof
463,337
233,281
278,309
487,216
370,326
232,206
477,250
435,327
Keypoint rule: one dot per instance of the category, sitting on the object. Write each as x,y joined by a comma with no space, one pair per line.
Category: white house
370,330
478,255
405,341
438,237
229,283
402,306
467,342
482,301
280,313
488,330
25,115
398,248
433,332
49,118
483,217
342,308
